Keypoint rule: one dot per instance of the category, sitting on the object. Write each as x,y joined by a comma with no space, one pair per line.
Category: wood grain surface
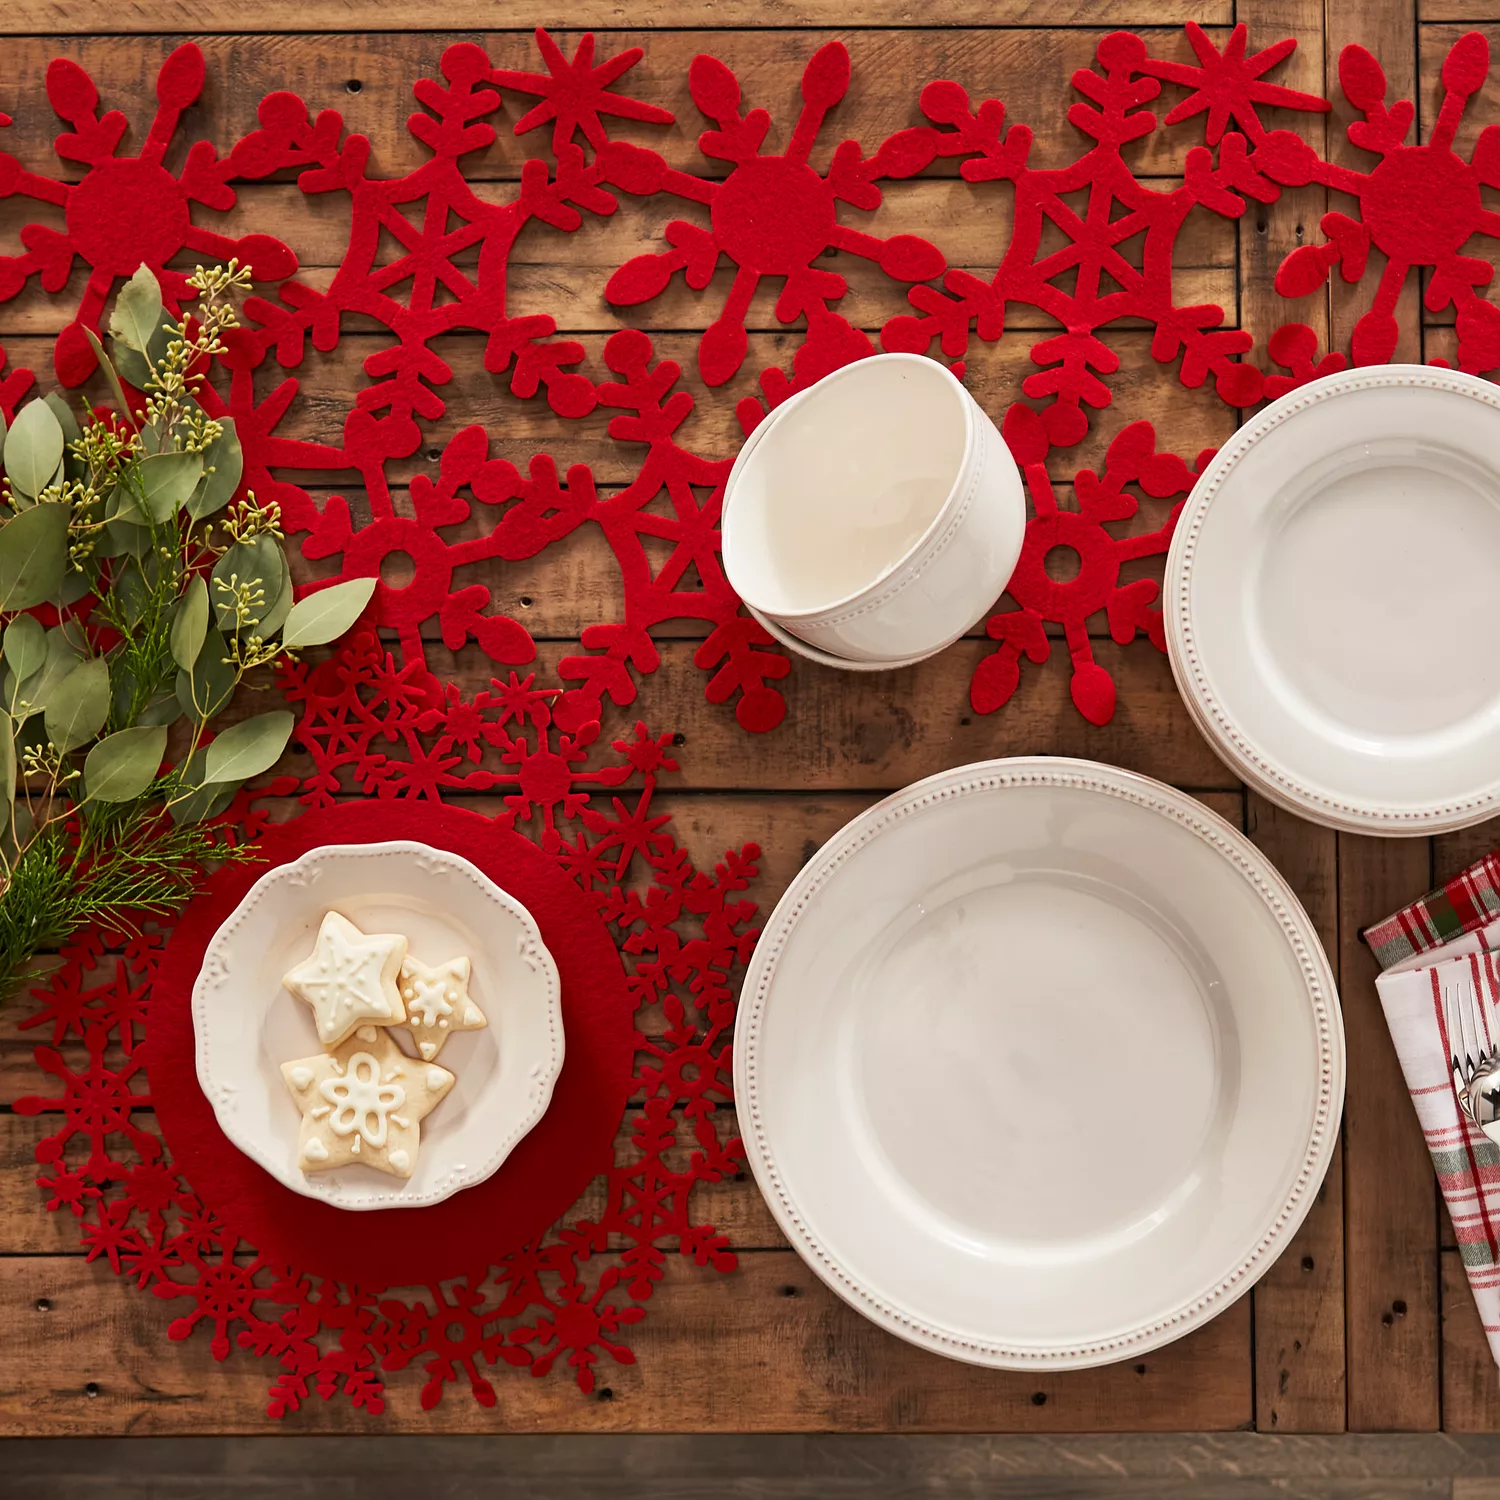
1365,1323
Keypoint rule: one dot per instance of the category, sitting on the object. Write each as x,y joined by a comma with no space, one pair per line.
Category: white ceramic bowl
246,1024
876,515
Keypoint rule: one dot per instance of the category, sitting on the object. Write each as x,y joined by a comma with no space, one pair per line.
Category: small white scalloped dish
1039,1063
1330,600
246,1024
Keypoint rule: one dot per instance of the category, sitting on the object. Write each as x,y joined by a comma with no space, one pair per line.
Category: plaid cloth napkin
1468,901
1466,1162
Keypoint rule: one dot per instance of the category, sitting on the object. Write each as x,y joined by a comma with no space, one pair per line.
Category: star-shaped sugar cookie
437,1002
363,1103
350,979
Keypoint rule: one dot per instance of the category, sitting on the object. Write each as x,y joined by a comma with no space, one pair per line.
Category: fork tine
1450,1020
1472,1047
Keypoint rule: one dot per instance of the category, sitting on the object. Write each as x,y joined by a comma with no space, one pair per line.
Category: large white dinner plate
246,1024
1039,1063
1330,600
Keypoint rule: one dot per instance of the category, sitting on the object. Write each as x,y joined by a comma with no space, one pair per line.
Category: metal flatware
1474,1061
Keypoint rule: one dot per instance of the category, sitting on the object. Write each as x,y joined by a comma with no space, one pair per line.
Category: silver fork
1475,1066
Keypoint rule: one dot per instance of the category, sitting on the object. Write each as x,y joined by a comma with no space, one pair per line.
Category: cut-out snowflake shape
126,211
1083,539
772,215
1420,206
1106,284
575,93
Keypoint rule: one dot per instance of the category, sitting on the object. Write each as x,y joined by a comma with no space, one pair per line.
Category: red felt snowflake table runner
769,205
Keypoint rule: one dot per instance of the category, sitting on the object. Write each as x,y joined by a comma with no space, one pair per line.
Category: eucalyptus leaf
128,538
256,563
205,690
74,587
206,799
134,585
122,765
190,623
7,766
33,448
226,458
275,617
76,711
168,481
326,615
33,551
132,365
163,711
25,646
107,365
67,419
123,503
137,311
62,656
248,748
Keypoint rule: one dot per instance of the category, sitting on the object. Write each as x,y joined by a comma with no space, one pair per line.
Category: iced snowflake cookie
437,1002
351,978
364,1103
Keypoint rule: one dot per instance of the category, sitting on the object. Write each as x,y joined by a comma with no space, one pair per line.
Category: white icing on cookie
436,1078
428,1050
399,1159
301,1077
361,1101
366,1033
315,1150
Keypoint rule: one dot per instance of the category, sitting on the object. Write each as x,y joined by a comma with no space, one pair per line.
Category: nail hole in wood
91,1390
789,1291
1039,1399
434,454
605,1394
1387,1320
1140,1369
525,601
43,1304
1399,1308
679,738
1307,1263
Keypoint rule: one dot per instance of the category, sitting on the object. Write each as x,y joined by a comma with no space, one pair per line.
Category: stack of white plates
1331,601
1039,1063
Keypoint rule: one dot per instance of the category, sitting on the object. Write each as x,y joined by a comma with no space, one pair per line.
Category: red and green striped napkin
1464,904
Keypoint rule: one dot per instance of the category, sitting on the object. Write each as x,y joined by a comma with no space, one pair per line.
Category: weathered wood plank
1471,1383
733,1206
1299,1304
367,76
1390,1272
1187,421
768,1348
564,274
792,1467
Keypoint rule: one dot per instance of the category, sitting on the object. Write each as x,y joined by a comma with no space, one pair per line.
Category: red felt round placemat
541,1178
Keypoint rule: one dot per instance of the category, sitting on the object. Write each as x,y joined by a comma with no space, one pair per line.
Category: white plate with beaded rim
246,1024
1039,1063
1329,600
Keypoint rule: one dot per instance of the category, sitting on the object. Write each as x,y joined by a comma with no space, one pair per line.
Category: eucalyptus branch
189,591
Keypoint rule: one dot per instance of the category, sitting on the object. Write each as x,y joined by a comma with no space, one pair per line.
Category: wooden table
1366,1322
